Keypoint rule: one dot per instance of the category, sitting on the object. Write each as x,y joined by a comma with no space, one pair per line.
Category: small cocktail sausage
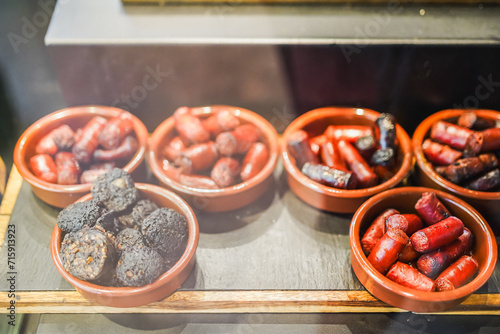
115,131
458,274
300,148
437,235
405,275
386,251
255,159
87,143
237,141
365,175
198,157
440,154
430,208
376,230
44,168
450,134
331,177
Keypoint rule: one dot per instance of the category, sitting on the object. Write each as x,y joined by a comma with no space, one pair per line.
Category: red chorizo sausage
221,121
407,222
330,155
174,148
46,145
431,264
198,157
437,235
86,145
480,142
331,177
316,142
365,175
115,131
197,181
68,168
189,126
44,168
96,170
450,134
350,133
126,149
386,250
237,141
255,159
440,154
430,208
405,275
225,172
458,274
376,230
408,254
300,148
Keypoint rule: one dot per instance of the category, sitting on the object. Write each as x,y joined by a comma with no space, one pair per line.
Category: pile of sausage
348,156
65,156
462,152
213,152
429,251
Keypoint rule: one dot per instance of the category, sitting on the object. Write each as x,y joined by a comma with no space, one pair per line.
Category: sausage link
126,149
198,157
366,146
255,159
44,168
405,275
237,141
430,208
480,142
330,155
68,168
173,149
408,254
225,172
386,251
385,131
316,142
350,133
365,175
437,235
431,264
466,168
471,120
300,148
189,126
61,138
376,230
221,121
331,177
197,181
488,181
440,154
86,145
407,222
458,274
450,134
96,170
115,131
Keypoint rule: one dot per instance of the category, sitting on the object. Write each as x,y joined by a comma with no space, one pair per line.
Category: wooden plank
3,177
11,191
288,301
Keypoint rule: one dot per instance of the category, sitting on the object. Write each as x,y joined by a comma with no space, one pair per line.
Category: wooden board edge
11,192
263,301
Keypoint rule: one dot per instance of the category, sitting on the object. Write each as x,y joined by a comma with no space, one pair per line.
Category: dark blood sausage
385,131
386,250
126,149
197,181
221,121
440,154
298,144
255,159
450,134
384,157
407,222
437,235
350,133
365,175
115,131
471,120
44,168
88,254
430,208
366,145
237,141
488,181
316,142
431,264
198,157
139,265
330,155
487,140
331,177
466,168
96,170
405,275
458,274
408,254
225,172
174,148
86,145
376,230
68,168
189,126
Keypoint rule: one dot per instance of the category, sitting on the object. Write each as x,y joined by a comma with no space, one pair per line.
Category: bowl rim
169,275
315,114
435,296
266,129
425,165
98,110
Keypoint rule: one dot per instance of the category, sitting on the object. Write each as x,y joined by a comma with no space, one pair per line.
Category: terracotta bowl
487,203
62,195
224,199
165,285
332,199
404,199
